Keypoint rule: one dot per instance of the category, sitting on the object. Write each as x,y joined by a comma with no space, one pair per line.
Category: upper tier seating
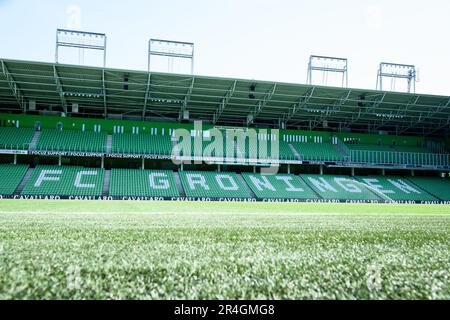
10,176
71,140
438,187
213,184
403,155
338,187
237,151
142,144
311,151
396,188
65,181
279,186
15,138
142,183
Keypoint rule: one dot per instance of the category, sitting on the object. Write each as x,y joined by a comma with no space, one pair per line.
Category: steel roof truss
13,86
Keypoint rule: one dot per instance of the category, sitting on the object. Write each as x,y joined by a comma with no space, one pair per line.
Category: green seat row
339,187
395,188
278,186
438,187
65,181
128,143
10,176
71,140
15,138
142,183
213,184
311,151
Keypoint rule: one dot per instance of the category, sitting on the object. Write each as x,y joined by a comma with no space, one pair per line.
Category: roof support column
223,104
59,89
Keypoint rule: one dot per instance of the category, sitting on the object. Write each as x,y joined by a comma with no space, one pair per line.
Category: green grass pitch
200,250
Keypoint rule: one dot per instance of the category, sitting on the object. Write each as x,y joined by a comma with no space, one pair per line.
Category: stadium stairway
109,144
106,181
437,187
245,184
395,188
24,181
33,142
179,184
342,149
295,152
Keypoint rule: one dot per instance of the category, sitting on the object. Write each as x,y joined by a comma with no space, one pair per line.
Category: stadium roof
106,92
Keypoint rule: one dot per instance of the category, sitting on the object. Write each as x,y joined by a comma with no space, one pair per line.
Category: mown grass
193,250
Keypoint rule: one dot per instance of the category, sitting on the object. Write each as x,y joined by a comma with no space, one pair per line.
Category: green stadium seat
396,188
127,143
311,151
213,184
10,176
65,181
71,141
15,138
338,187
438,187
142,183
278,186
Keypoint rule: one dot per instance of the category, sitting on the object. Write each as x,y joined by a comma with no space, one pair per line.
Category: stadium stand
127,143
65,181
15,138
71,140
320,129
438,187
312,151
213,184
396,188
10,176
278,186
338,187
142,183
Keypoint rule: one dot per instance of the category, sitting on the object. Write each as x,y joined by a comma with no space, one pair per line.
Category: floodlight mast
397,71
81,40
171,49
328,65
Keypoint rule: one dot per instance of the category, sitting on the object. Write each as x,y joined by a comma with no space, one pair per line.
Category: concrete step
241,178
33,142
106,182
24,181
294,151
109,144
179,184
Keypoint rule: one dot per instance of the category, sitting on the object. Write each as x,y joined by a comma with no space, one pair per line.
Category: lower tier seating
395,188
142,183
10,176
15,138
278,186
79,181
338,187
213,184
65,181
438,187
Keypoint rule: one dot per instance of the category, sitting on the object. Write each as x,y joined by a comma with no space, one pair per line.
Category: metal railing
14,146
399,158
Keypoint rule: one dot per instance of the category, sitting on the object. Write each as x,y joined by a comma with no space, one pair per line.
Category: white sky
261,39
